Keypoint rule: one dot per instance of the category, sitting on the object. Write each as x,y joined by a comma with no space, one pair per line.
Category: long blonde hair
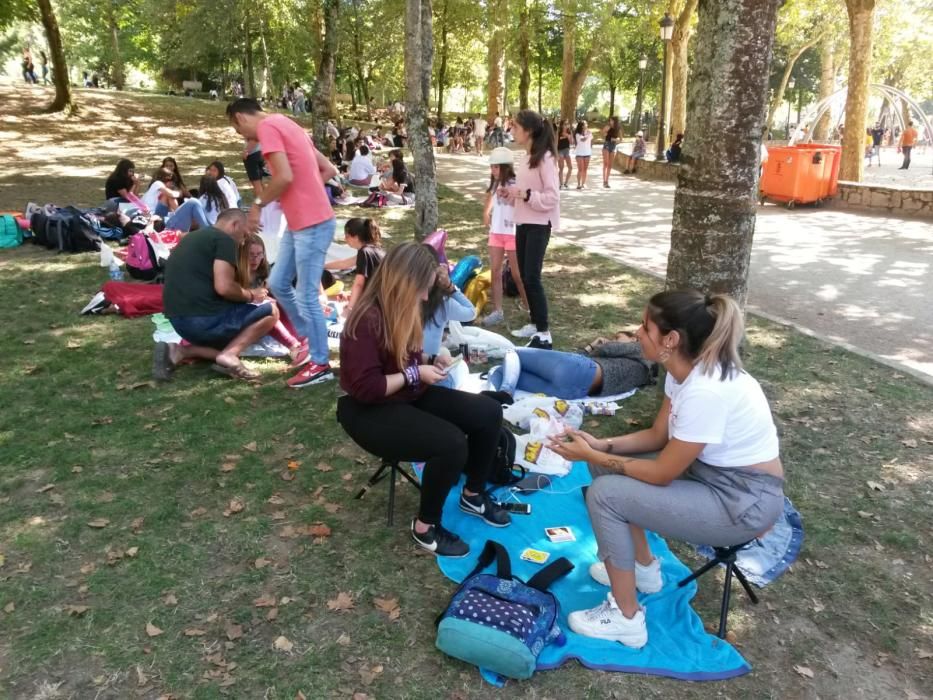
243,275
711,327
395,289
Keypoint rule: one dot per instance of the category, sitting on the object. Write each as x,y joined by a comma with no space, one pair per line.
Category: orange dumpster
796,175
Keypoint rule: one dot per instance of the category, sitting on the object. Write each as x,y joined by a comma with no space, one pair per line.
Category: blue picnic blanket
678,646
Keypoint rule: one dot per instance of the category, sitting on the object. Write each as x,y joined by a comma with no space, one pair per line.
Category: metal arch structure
888,94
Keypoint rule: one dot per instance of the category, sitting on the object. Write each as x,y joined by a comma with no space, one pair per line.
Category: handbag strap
493,551
550,573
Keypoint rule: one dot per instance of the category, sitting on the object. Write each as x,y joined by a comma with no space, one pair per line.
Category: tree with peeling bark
323,99
821,131
716,198
683,11
419,58
861,19
62,99
574,68
497,28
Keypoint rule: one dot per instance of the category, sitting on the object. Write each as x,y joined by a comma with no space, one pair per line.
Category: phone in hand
458,359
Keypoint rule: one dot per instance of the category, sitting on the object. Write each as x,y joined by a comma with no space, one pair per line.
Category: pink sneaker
312,373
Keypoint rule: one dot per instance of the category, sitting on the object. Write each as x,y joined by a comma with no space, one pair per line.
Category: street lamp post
667,31
642,64
790,86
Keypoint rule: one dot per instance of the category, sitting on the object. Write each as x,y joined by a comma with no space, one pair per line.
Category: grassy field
154,541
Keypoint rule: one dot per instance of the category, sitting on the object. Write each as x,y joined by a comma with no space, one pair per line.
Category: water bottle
116,273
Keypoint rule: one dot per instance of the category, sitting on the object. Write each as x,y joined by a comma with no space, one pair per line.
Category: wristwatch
258,202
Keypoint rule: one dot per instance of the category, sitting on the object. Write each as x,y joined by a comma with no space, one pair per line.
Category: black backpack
509,288
67,230
503,463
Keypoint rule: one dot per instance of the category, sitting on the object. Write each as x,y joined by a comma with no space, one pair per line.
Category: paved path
862,281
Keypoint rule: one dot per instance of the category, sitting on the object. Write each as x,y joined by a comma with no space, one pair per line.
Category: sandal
237,372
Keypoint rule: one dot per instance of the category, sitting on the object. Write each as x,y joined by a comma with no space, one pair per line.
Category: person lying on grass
716,479
205,304
364,236
395,409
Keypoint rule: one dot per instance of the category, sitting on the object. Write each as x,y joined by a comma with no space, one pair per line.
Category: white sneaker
494,318
606,621
526,331
97,302
647,578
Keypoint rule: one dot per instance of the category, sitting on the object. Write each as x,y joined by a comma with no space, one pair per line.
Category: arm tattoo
617,465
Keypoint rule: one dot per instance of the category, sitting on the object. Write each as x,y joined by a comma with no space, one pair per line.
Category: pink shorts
502,240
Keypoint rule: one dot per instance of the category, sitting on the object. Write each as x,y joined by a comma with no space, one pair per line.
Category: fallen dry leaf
198,512
251,446
236,505
300,696
77,610
924,654
278,515
272,614
170,599
331,507
261,563
152,630
141,678
276,500
194,632
282,644
98,523
875,486
88,568
132,552
347,476
137,524
864,514
77,470
228,466
319,530
732,637
288,532
57,499
909,443
264,601
293,464
388,606
344,640
47,487
342,603
234,632
804,671
11,606
288,475
324,467
105,497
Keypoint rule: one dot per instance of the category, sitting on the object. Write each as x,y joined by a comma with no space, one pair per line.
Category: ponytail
711,327
366,230
543,138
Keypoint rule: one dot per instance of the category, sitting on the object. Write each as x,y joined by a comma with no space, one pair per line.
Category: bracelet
412,376
608,446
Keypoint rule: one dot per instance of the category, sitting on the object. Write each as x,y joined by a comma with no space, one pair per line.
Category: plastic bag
524,410
494,345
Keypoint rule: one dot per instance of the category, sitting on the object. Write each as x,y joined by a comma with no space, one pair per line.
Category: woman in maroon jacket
394,410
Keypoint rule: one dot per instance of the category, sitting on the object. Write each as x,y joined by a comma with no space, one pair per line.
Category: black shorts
255,166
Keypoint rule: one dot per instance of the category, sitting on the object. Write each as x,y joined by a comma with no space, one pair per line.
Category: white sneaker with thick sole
526,331
647,578
606,621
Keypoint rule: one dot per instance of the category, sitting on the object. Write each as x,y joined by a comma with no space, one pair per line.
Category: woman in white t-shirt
716,479
583,150
231,192
361,168
160,199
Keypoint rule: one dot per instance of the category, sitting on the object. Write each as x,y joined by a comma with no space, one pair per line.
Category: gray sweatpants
707,505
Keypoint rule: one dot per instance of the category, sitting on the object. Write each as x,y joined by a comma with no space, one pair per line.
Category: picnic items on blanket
499,622
492,344
524,410
678,645
532,452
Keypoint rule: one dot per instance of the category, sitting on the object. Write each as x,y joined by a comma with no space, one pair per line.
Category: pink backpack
141,260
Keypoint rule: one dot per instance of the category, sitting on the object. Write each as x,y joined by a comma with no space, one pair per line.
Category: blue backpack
498,622
11,235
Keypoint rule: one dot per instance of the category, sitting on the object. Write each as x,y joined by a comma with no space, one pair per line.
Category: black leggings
530,245
450,431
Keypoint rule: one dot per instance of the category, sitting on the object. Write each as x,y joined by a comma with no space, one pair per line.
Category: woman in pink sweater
536,196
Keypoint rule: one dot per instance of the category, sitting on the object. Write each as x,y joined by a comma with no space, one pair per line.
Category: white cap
501,156
640,133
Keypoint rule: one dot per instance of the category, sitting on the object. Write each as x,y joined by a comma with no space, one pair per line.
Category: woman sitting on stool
717,478
394,410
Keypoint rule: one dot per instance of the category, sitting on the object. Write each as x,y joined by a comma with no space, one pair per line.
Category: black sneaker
482,506
536,342
440,542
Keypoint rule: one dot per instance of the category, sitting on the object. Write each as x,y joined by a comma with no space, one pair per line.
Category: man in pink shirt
299,172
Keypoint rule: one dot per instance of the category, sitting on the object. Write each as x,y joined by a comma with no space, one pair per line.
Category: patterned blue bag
501,623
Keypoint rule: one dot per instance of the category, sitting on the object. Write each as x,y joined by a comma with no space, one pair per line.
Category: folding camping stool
389,468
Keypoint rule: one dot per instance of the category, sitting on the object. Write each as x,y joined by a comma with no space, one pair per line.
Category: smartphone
519,508
453,364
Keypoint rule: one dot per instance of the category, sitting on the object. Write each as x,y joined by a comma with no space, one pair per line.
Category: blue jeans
161,209
186,215
564,375
301,255
217,331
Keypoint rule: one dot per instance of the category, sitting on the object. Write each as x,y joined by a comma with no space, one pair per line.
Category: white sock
511,369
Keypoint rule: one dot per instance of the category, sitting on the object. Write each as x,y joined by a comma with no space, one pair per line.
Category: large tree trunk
639,97
62,99
788,69
117,74
266,88
716,197
322,102
358,58
524,56
822,129
442,69
680,44
495,86
572,78
419,57
248,57
861,19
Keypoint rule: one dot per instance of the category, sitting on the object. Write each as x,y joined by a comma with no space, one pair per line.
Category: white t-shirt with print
584,144
732,417
151,198
502,219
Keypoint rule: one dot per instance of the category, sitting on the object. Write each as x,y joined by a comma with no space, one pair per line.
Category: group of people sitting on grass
708,470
